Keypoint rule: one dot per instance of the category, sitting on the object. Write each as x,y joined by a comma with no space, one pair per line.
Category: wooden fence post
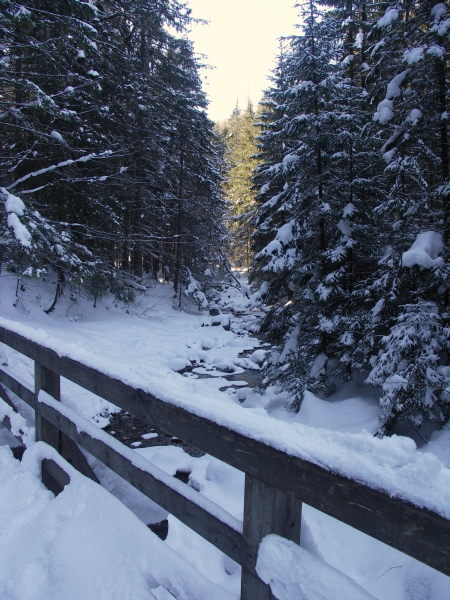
266,510
50,382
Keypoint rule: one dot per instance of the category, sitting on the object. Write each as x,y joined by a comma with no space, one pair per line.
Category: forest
107,156
333,192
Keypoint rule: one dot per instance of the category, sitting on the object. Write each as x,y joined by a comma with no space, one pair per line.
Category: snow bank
136,459
82,544
137,348
295,574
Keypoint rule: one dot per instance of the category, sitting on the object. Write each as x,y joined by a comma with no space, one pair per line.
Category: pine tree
239,136
295,216
100,102
411,283
353,212
53,142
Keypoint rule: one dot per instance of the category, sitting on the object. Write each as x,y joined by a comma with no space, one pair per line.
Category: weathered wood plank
47,380
73,455
269,510
56,477
50,382
18,388
266,510
418,532
212,529
4,396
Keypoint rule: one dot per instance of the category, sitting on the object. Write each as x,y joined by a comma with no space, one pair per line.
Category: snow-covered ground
147,345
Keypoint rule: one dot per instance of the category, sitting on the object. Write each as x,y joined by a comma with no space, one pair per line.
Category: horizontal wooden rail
190,507
172,495
418,532
17,388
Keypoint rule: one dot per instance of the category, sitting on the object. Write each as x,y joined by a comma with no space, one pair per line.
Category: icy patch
219,370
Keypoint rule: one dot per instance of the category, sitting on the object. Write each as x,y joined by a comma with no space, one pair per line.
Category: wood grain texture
50,382
18,388
266,510
4,396
55,477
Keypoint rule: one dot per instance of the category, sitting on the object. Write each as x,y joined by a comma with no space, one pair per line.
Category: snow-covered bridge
282,471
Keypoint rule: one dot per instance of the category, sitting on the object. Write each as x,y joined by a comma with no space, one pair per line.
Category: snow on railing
276,482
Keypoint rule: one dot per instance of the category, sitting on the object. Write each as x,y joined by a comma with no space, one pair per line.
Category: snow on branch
388,18
15,208
60,165
425,251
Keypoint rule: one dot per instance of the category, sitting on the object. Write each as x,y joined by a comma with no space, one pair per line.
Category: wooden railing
276,483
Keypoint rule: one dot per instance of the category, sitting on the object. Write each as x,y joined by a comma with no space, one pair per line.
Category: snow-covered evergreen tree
295,212
53,144
411,282
352,238
239,138
97,101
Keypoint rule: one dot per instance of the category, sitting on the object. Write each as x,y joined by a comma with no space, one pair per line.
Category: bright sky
241,43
